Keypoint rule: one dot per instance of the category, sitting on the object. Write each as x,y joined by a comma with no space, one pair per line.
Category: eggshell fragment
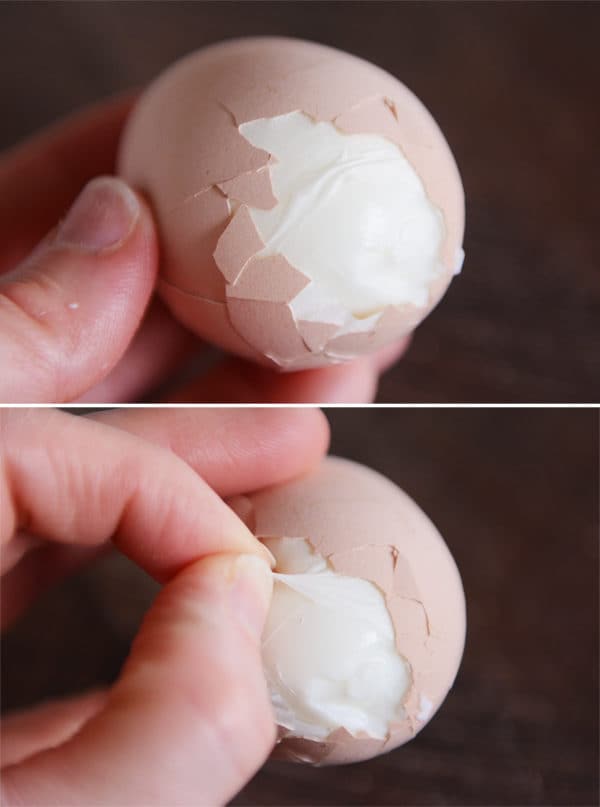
365,526
183,147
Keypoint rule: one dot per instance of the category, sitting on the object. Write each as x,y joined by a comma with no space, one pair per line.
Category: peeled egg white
309,207
356,549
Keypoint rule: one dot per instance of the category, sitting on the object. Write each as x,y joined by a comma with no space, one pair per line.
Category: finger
68,313
27,732
158,349
237,381
234,450
191,702
40,178
81,483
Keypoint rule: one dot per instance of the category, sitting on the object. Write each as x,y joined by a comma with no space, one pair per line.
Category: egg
308,205
367,624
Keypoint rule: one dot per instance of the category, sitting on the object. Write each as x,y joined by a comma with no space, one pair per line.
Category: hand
188,722
78,320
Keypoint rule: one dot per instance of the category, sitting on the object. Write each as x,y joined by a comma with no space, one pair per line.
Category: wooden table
514,494
513,86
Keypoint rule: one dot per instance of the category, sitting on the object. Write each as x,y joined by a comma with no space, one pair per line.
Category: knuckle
35,295
35,319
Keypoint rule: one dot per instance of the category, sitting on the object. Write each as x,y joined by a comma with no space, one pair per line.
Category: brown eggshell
204,317
366,526
182,147
195,229
253,188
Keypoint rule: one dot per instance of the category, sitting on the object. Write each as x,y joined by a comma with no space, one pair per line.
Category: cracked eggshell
365,526
183,149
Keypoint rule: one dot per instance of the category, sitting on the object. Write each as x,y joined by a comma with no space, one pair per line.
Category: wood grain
515,495
514,87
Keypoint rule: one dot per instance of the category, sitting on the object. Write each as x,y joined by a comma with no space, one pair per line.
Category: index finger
40,178
79,482
234,450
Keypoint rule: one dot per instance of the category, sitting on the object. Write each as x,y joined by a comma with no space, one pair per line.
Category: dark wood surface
515,495
514,87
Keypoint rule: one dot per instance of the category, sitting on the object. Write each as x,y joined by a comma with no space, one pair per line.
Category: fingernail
101,217
251,592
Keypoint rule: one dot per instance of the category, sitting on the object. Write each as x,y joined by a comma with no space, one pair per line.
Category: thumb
189,720
69,311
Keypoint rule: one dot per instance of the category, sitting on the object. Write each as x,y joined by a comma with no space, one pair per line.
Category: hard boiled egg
367,624
309,207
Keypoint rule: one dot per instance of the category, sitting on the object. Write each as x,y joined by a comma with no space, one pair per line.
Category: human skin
83,323
191,697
